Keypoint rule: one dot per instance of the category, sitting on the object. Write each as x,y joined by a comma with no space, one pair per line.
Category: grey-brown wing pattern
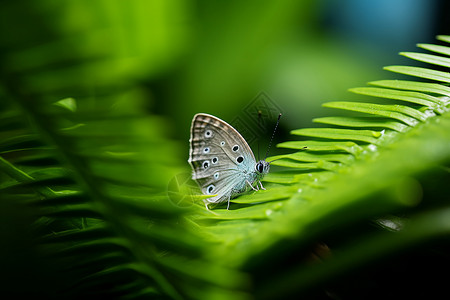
220,157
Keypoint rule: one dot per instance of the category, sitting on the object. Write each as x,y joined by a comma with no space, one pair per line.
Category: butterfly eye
260,167
206,150
210,188
215,160
240,159
208,133
205,164
235,148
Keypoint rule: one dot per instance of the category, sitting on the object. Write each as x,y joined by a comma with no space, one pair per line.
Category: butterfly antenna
258,149
273,135
259,121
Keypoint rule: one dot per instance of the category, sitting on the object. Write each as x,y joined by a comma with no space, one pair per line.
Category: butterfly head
262,167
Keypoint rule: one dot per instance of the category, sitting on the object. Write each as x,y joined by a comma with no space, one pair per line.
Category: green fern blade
445,38
73,211
83,244
213,277
402,113
424,87
107,276
275,194
31,156
412,97
316,157
98,232
435,48
349,147
18,140
428,58
281,177
366,136
321,165
59,188
152,205
65,197
361,122
20,176
420,72
258,212
227,232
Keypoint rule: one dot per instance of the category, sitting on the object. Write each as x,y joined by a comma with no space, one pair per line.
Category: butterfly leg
208,209
228,206
263,188
255,189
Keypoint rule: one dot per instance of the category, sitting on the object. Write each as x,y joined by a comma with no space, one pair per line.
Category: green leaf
435,48
367,136
426,87
349,147
427,58
420,72
68,103
445,38
412,97
398,112
361,122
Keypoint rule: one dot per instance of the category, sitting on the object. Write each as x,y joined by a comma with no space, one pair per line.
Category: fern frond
364,167
80,156
84,172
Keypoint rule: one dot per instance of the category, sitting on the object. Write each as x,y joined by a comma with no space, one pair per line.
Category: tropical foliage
93,200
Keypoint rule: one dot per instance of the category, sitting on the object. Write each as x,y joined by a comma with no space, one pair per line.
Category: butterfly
222,162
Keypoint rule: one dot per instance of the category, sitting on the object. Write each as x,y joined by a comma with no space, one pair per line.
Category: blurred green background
185,57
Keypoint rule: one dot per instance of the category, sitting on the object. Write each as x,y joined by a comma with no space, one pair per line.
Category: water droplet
429,113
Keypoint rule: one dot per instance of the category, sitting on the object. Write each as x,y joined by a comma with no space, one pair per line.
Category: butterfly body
222,162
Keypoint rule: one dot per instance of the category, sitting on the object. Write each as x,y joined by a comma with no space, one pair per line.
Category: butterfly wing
220,157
